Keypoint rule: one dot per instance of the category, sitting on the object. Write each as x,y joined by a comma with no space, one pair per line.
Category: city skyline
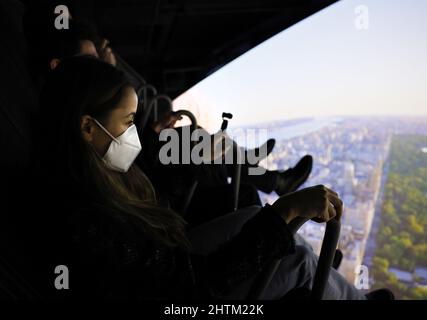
353,159
372,80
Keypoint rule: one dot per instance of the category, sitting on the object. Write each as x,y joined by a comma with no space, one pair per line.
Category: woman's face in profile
119,120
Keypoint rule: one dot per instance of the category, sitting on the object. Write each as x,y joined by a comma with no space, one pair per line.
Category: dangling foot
291,179
380,294
255,153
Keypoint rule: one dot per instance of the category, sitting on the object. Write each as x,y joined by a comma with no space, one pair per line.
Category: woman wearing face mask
99,217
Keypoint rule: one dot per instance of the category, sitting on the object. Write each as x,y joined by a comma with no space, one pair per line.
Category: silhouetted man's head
49,45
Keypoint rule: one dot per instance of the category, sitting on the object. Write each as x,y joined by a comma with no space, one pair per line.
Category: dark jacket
108,257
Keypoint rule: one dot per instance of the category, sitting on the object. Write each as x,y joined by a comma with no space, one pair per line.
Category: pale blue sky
324,65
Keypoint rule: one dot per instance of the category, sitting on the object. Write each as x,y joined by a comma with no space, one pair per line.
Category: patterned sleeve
262,239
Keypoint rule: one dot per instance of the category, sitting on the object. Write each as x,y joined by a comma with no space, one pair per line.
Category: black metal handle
327,253
236,178
153,105
194,184
326,257
225,117
190,115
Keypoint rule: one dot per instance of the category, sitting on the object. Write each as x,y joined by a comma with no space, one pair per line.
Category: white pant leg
298,270
300,241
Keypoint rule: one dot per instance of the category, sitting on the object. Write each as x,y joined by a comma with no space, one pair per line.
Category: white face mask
123,150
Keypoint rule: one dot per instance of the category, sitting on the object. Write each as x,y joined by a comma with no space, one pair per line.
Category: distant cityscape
350,156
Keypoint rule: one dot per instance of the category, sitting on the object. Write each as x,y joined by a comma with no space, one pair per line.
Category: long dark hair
86,86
